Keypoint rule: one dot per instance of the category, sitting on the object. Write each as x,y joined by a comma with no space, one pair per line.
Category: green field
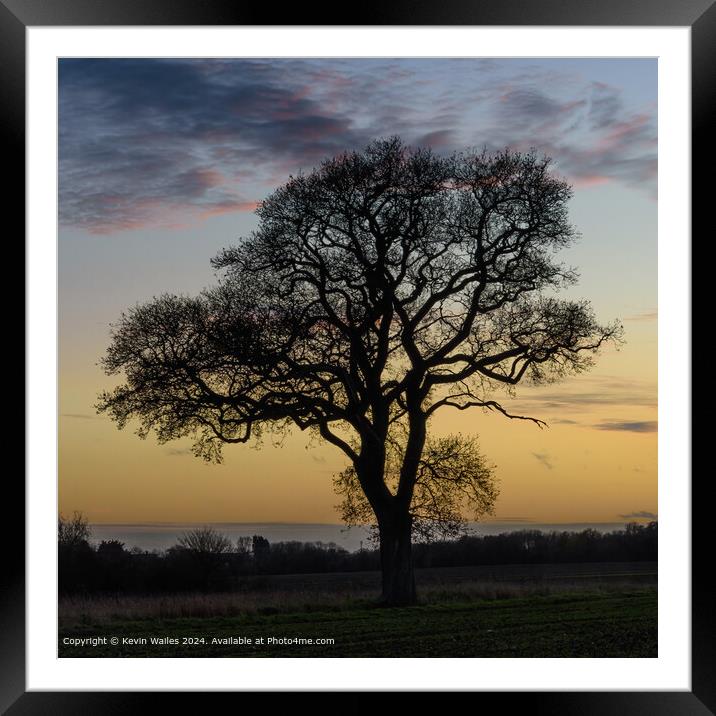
586,624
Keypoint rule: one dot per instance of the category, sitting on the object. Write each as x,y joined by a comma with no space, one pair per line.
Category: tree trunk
396,561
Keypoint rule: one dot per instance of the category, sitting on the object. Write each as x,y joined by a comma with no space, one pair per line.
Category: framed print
402,272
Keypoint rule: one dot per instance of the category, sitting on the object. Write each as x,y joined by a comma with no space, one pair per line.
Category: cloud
594,392
178,452
605,105
592,137
634,426
140,139
229,206
569,401
533,108
439,138
544,459
644,514
645,316
163,142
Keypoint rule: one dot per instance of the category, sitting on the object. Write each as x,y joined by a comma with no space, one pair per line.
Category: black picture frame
17,15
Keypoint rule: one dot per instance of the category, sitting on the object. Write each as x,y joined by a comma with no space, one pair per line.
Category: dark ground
559,610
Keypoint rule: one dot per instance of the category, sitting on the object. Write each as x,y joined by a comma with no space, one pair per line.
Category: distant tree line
635,543
206,560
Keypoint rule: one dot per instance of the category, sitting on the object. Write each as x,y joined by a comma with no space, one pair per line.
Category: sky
161,165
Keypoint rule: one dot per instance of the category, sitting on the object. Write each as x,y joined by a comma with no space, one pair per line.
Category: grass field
571,625
598,610
344,590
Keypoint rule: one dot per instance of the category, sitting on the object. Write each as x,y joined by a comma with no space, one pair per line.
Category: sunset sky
162,163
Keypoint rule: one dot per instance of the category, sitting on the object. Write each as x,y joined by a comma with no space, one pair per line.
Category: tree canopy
378,289
453,478
381,277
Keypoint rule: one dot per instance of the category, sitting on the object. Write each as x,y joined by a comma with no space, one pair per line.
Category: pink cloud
229,207
209,177
152,213
440,138
623,131
590,180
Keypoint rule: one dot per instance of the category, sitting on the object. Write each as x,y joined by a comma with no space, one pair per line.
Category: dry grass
92,610
102,609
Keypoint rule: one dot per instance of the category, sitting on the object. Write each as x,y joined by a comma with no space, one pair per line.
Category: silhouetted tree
111,548
206,548
243,545
451,474
72,531
205,540
378,289
75,556
261,550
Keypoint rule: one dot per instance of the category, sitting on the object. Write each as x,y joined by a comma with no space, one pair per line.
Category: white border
671,670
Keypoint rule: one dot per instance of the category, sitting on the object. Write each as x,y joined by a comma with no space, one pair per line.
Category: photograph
357,357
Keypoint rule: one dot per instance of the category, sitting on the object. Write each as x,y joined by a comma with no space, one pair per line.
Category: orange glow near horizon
596,462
